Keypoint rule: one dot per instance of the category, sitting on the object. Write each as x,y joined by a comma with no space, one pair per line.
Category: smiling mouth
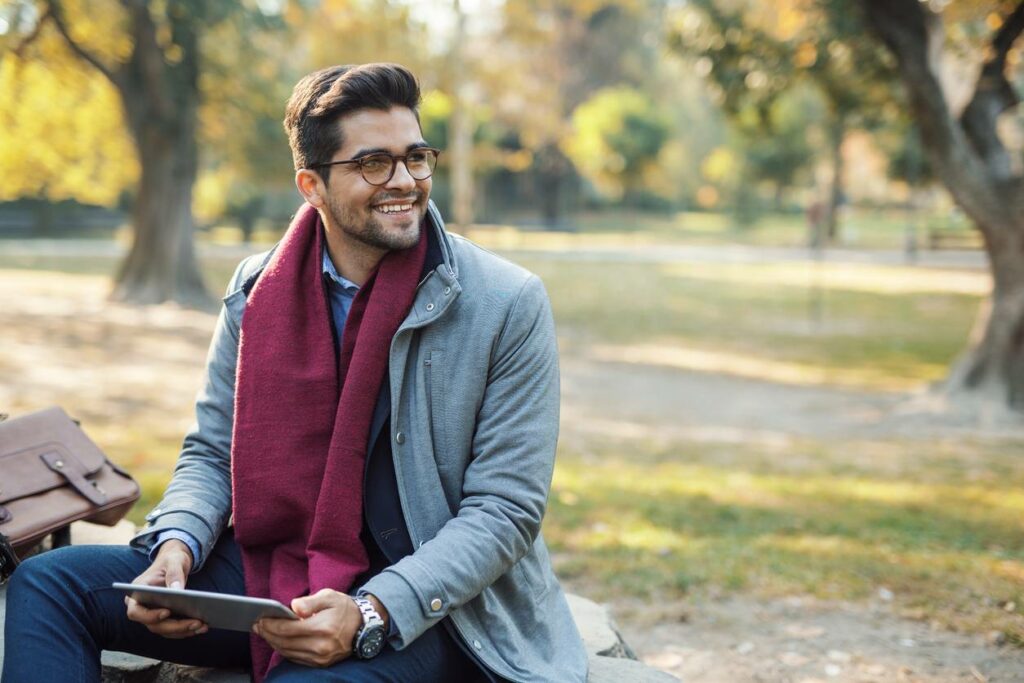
394,209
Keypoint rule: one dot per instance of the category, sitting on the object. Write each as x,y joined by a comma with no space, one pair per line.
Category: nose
401,179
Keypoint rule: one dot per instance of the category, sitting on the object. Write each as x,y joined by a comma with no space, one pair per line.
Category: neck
352,259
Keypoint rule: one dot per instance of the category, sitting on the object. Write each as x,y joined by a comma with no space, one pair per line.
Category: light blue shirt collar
332,272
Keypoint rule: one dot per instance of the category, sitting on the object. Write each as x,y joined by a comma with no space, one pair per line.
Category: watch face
370,642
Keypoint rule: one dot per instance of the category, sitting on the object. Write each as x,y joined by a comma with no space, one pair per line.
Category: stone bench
611,659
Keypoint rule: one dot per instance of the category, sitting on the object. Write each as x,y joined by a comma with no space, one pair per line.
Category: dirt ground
803,640
794,640
62,343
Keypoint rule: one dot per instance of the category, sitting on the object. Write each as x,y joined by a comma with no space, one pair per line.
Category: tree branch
56,13
993,94
1006,36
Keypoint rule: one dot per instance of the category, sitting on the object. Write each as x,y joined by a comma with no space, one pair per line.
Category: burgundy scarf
302,422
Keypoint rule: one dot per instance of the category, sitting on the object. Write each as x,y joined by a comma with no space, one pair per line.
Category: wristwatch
369,638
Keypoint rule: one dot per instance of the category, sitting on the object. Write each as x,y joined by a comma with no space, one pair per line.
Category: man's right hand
170,568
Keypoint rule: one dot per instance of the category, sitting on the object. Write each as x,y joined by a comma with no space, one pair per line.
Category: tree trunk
971,160
159,92
837,132
162,265
992,369
161,103
461,131
550,176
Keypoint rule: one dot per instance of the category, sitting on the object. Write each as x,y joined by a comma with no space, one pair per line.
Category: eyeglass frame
395,158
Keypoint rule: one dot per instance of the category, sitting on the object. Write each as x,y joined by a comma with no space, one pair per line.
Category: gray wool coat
474,422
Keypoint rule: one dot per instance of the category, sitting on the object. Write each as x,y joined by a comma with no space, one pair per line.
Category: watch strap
368,611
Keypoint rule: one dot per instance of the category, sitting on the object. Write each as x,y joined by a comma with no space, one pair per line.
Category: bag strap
71,470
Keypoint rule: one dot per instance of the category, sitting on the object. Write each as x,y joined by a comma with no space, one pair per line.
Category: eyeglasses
379,168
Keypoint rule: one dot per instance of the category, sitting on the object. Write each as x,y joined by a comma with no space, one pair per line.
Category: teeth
394,208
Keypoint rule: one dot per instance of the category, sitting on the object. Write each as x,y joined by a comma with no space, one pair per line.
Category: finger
174,576
284,628
178,628
152,576
311,604
145,615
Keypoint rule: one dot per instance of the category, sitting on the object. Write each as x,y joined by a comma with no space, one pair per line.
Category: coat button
476,644
435,604
400,437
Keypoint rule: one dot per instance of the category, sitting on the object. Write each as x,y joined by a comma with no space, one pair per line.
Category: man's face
385,216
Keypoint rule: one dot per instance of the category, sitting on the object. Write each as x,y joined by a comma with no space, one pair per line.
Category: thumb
309,605
174,577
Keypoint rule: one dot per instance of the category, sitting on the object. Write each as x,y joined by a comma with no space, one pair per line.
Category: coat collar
439,251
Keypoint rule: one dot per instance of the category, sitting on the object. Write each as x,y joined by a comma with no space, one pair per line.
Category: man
374,445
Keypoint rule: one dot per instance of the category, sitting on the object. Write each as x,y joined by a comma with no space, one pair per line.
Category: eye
417,157
376,162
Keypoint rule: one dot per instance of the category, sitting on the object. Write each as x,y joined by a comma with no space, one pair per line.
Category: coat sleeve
505,487
198,498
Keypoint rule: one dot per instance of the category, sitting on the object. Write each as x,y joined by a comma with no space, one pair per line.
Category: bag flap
28,442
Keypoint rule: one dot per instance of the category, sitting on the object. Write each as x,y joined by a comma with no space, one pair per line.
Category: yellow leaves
436,105
96,25
209,196
617,135
720,165
61,133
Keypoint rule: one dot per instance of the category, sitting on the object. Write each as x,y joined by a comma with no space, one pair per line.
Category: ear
311,187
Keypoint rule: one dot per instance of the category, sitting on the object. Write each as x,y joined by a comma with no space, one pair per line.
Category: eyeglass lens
378,168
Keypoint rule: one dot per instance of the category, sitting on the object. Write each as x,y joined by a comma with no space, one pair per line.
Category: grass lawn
856,325
937,522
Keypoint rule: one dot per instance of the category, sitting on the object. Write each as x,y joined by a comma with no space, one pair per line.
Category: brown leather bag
52,474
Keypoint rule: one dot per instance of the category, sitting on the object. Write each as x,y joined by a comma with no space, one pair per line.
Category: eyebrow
381,150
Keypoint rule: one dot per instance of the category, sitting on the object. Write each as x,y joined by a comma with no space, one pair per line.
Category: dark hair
324,96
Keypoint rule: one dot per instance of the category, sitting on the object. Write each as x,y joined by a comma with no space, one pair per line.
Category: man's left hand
324,634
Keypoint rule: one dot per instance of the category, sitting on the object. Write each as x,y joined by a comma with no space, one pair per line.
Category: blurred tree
901,144
246,171
754,53
152,55
617,136
552,56
976,163
778,159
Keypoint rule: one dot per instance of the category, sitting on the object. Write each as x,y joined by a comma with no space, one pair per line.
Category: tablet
218,610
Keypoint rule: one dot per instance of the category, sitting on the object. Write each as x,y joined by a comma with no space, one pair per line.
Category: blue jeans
61,612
